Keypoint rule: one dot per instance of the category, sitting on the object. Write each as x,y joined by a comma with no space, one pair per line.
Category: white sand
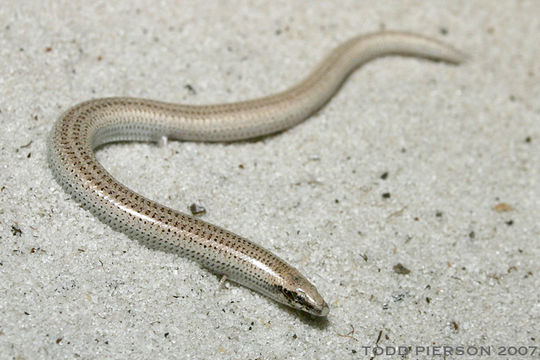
452,139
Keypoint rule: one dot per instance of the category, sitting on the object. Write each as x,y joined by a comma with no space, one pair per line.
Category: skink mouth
317,306
322,310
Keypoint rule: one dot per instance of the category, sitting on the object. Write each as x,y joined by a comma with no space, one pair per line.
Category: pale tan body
86,126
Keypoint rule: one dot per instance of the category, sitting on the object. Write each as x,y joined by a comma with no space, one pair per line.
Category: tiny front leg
162,141
222,282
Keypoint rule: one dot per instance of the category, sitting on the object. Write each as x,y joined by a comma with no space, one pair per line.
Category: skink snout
301,294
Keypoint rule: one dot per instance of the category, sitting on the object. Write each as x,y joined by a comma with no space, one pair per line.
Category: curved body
94,123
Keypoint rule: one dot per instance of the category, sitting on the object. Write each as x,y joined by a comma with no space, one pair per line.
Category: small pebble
502,207
400,269
197,209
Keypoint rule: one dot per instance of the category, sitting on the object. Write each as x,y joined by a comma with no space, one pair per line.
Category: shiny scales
94,123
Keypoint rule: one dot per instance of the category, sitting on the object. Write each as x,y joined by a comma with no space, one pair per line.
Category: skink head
299,293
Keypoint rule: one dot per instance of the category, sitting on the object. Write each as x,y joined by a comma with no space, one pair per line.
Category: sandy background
455,142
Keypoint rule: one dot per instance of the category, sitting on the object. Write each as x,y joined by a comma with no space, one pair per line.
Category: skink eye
288,294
